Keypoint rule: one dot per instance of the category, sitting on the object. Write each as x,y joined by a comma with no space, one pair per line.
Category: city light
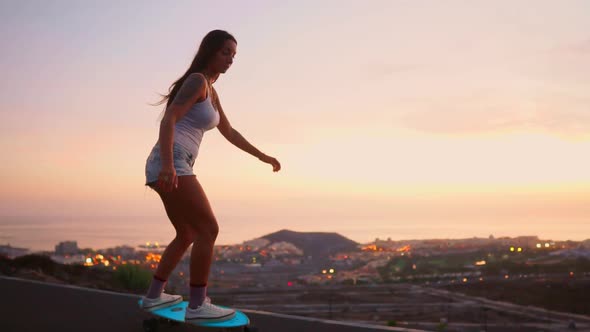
511,248
405,248
480,263
371,247
538,245
151,257
88,262
519,249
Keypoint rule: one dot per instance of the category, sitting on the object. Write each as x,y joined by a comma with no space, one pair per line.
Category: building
123,251
12,252
66,248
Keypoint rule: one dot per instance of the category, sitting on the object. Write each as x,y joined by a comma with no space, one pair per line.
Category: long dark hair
211,44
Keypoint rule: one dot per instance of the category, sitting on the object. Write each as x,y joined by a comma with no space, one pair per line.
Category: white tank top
189,130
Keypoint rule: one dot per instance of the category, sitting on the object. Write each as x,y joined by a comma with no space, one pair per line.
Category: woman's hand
276,166
167,179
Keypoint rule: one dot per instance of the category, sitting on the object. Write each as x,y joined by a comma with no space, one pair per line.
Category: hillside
127,279
318,245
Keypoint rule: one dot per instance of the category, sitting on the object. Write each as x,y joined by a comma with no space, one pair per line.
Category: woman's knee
214,230
185,236
208,230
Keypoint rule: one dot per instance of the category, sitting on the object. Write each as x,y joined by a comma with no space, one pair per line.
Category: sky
383,114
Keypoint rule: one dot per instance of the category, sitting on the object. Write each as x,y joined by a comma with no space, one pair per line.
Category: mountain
316,244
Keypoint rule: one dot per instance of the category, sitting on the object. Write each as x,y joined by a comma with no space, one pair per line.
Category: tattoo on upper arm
187,90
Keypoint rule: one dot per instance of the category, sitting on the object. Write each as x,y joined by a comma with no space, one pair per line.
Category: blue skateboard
174,314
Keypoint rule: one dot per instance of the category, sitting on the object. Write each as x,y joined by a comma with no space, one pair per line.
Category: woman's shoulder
197,83
197,79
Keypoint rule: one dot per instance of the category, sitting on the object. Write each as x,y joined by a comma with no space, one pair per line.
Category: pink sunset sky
382,113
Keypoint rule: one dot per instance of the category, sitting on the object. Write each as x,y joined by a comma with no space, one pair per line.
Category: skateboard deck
176,313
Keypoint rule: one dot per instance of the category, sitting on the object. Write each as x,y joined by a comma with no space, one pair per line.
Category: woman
192,108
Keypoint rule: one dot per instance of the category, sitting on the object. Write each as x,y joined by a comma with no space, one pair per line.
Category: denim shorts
183,163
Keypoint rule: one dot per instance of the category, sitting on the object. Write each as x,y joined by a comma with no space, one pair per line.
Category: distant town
427,283
319,258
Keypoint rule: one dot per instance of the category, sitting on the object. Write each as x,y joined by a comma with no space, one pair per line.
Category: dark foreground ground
37,306
564,295
31,305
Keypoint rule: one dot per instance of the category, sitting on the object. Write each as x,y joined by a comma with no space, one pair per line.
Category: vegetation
133,277
127,278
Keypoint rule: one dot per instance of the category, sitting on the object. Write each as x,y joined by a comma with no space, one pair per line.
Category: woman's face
224,58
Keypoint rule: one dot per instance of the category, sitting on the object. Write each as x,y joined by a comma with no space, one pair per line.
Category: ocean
43,233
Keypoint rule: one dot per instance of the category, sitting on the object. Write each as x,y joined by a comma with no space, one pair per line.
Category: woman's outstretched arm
234,137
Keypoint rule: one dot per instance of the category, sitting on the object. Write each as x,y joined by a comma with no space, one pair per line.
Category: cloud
380,70
557,114
581,47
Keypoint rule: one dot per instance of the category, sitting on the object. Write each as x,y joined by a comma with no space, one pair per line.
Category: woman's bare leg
183,239
205,228
194,221
190,212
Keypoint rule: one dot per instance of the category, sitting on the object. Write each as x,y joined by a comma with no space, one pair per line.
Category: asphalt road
36,306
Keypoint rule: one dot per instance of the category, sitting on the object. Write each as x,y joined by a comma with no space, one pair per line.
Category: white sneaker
165,300
208,312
